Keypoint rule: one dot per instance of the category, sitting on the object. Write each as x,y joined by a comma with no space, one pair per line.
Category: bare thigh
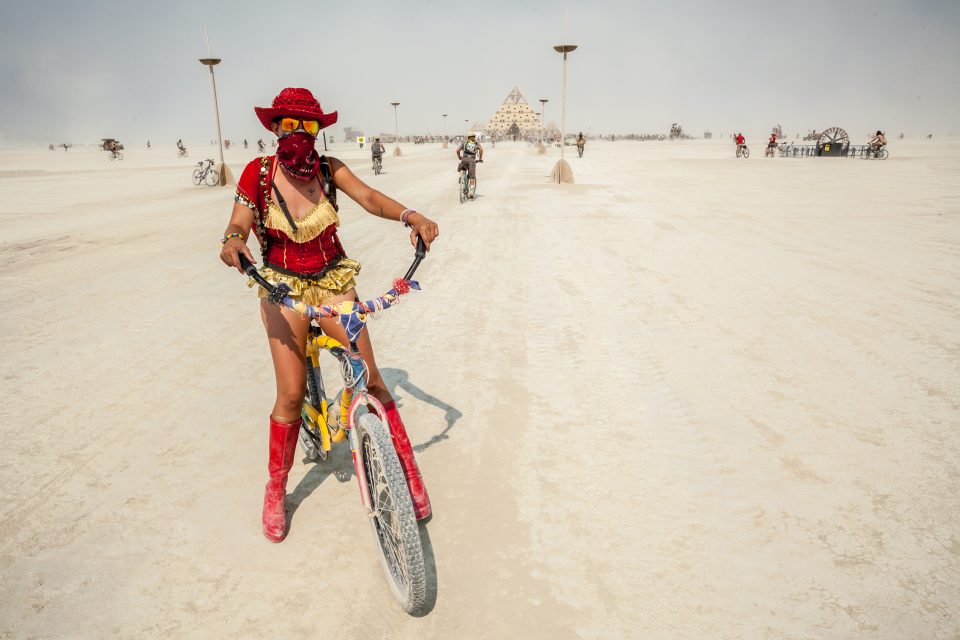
333,328
287,334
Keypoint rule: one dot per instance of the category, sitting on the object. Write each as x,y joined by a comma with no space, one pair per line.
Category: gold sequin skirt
335,282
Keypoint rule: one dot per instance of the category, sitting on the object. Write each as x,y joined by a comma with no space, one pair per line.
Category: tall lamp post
543,112
445,131
211,63
396,131
562,171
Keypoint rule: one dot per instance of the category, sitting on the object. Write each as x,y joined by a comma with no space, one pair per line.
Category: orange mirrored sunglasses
289,125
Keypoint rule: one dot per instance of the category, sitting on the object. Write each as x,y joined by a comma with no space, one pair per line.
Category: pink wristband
405,215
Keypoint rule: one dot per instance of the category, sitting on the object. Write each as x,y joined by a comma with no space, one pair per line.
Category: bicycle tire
393,523
463,187
745,153
198,177
883,154
213,177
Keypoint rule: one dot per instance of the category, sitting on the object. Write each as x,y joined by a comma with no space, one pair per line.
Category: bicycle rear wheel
463,186
745,153
213,177
882,154
392,520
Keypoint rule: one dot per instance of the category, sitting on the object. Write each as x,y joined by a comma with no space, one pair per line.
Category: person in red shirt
741,141
289,201
771,145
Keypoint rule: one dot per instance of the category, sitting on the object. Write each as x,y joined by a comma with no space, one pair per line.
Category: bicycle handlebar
352,314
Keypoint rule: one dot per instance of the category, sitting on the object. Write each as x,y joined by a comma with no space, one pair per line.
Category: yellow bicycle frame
318,421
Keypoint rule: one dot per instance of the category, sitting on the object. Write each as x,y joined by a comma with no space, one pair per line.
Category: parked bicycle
383,488
206,172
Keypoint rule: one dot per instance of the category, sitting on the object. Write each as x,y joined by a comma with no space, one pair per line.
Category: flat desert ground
688,396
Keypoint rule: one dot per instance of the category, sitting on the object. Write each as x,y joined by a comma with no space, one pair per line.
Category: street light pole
561,171
543,112
211,63
396,130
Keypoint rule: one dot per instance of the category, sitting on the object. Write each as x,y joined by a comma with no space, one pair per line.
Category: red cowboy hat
296,102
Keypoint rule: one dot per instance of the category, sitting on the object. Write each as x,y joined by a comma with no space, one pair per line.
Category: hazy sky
78,71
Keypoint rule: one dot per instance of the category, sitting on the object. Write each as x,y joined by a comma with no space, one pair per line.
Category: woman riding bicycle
290,201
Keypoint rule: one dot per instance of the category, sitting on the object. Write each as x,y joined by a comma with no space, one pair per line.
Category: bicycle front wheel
392,520
197,177
213,178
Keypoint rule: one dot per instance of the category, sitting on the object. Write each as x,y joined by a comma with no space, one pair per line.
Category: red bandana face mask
297,155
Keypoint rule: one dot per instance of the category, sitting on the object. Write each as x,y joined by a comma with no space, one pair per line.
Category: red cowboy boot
401,443
283,444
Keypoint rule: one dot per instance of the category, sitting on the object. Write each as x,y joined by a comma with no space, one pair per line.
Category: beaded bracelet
224,239
405,215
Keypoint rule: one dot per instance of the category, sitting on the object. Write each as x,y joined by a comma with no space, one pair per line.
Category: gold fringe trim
335,282
309,227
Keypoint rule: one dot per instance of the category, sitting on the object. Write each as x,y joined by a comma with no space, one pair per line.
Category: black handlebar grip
246,264
421,248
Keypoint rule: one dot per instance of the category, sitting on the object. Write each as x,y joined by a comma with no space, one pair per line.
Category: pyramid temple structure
514,117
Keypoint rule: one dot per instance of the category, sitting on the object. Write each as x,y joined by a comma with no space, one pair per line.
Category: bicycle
115,155
207,173
377,164
580,150
467,192
383,487
880,153
743,151
181,153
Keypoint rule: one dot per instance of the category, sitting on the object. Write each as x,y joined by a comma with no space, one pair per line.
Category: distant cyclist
772,144
182,150
469,153
878,142
741,143
376,151
260,146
